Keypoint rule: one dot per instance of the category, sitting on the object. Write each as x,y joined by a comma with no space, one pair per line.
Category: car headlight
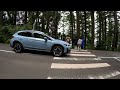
66,44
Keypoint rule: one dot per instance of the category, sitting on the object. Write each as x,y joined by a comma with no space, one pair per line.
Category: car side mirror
45,38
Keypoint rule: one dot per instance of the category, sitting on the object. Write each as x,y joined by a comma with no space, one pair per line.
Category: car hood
60,41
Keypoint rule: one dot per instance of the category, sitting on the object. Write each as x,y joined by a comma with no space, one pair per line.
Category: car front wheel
57,51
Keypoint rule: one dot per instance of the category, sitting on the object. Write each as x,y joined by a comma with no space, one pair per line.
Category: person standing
83,43
79,42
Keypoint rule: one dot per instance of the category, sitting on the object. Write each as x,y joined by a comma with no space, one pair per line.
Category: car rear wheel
57,51
18,47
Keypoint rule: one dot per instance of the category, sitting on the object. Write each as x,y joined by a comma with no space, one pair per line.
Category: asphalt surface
84,64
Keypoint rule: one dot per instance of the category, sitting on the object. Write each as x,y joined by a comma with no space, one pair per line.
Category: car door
47,45
40,43
37,41
26,39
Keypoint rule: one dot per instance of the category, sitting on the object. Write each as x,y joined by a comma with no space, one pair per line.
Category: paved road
26,65
84,64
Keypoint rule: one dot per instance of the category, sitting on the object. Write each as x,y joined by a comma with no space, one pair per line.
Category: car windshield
46,35
49,37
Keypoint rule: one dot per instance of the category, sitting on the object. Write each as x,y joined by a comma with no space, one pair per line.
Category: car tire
18,48
57,51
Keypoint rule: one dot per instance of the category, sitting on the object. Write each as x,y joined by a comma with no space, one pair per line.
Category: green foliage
8,28
6,32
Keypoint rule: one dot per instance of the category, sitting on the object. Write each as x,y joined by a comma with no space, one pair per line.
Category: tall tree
31,19
85,29
1,18
43,21
25,18
100,30
92,30
71,19
37,20
78,24
115,39
109,36
105,28
14,17
56,24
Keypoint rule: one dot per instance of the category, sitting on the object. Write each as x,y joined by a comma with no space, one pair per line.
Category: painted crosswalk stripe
7,51
104,76
78,66
117,58
108,57
57,77
112,74
76,59
80,52
89,55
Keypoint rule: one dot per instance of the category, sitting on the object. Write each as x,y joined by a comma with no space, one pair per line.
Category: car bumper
68,49
11,44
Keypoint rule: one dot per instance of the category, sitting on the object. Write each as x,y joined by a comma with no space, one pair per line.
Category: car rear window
26,34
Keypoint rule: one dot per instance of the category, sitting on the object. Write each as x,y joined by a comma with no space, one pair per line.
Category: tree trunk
102,19
85,30
78,24
92,30
10,18
1,18
31,18
109,33
74,29
25,17
115,40
105,31
14,17
56,24
47,26
99,12
71,19
37,20
43,21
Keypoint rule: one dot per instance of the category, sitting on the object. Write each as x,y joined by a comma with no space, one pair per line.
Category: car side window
26,34
48,38
36,35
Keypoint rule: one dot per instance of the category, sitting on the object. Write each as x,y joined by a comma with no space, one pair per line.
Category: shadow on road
41,53
37,52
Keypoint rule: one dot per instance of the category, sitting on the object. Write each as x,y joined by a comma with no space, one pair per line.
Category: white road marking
76,59
7,51
111,57
116,58
80,52
108,57
90,55
49,77
59,77
105,76
112,74
78,66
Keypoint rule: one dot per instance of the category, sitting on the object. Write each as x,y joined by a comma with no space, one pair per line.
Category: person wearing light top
79,42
